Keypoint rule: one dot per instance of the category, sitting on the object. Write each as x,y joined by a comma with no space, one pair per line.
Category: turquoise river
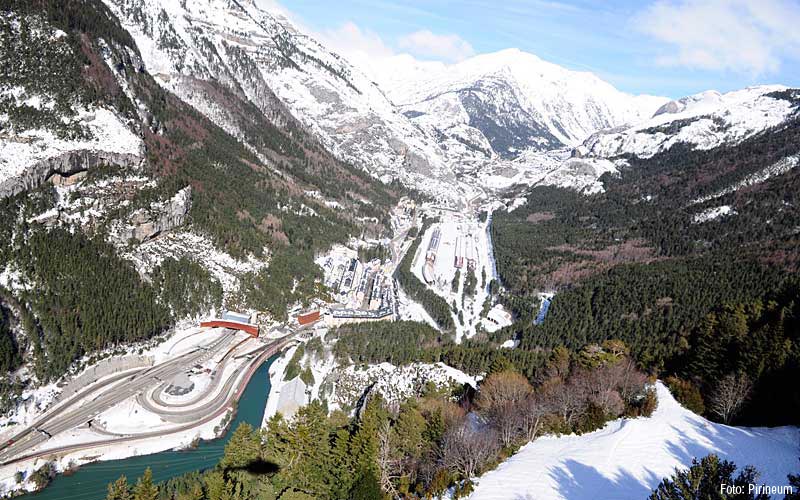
90,482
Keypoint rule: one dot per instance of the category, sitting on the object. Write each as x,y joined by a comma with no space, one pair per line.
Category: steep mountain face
510,100
51,117
709,121
113,189
263,60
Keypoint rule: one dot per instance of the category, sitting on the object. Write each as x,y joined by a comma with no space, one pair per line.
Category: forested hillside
273,194
435,305
640,262
744,358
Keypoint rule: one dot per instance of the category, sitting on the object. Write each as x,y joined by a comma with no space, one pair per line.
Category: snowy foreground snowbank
628,458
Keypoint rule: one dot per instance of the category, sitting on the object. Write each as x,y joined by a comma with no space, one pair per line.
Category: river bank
90,482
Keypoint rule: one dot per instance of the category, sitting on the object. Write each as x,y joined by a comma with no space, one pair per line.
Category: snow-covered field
467,238
629,457
713,213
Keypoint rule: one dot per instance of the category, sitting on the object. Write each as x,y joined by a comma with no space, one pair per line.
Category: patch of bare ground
596,261
537,217
273,226
635,250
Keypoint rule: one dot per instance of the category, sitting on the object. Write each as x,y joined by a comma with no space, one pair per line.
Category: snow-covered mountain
628,457
436,118
510,101
262,57
702,121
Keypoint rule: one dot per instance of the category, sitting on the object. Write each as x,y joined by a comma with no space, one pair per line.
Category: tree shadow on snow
577,481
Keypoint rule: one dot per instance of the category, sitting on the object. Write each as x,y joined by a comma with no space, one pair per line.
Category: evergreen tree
145,489
435,427
293,494
342,462
119,490
408,431
195,492
243,449
794,482
216,487
367,486
702,481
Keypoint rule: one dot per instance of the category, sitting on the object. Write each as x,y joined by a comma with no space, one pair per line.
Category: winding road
83,407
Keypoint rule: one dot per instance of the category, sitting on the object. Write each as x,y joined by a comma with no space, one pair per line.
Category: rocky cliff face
145,224
65,164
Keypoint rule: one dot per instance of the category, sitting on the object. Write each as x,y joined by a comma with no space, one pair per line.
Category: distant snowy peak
709,97
703,121
513,99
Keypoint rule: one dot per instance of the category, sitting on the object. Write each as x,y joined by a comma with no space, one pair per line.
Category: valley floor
628,458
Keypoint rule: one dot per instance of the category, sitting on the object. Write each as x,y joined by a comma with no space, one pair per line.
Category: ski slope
628,458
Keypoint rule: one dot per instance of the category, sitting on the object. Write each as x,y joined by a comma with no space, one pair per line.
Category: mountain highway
83,407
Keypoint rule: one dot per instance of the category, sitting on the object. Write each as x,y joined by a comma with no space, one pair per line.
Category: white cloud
744,36
429,45
375,55
356,44
371,53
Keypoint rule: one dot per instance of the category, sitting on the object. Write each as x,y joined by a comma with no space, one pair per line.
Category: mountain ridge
554,106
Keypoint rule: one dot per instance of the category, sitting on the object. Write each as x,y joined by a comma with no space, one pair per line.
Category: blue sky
664,47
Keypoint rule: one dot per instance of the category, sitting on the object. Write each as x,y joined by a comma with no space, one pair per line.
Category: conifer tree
243,448
216,486
119,490
703,479
794,482
145,489
195,492
342,461
435,427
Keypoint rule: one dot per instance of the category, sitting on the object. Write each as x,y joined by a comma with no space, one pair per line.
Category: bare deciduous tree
466,449
609,401
568,400
535,408
503,387
628,380
506,418
729,396
388,464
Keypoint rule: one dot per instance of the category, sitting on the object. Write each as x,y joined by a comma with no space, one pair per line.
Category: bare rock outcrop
145,224
65,165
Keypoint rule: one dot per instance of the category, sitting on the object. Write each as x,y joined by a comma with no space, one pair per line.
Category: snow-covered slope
263,58
45,125
628,458
703,121
509,100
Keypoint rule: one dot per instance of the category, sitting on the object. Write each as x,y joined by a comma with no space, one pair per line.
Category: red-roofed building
233,325
308,317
